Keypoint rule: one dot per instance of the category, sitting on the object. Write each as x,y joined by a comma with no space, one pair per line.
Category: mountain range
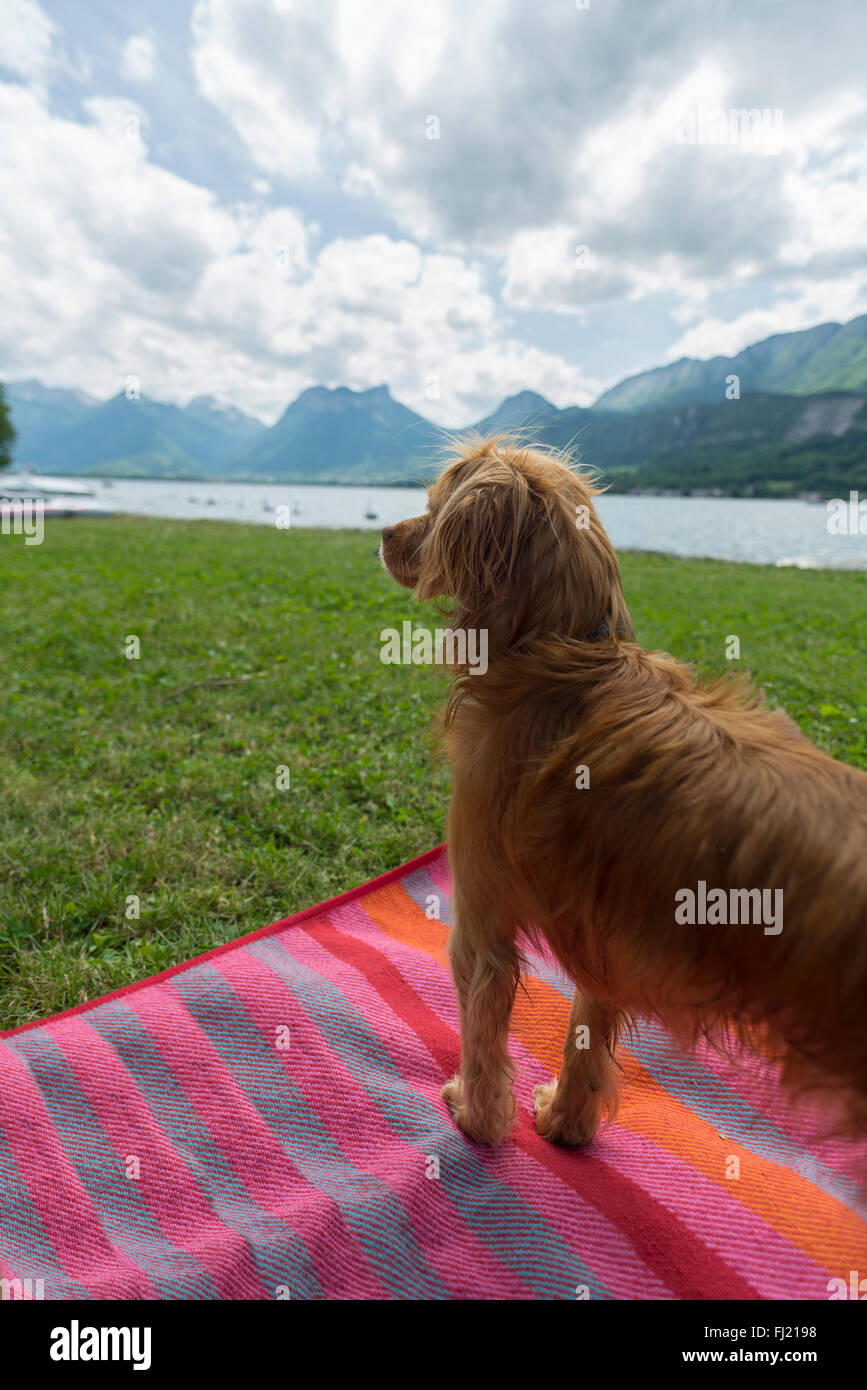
830,357
796,422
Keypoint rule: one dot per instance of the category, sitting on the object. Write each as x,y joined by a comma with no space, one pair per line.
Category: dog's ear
472,544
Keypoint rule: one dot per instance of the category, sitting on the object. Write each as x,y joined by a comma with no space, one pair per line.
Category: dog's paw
488,1126
574,1127
453,1095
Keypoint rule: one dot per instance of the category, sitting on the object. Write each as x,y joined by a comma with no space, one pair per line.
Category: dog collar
625,631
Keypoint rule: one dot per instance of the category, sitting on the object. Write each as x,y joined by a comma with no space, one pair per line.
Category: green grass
111,788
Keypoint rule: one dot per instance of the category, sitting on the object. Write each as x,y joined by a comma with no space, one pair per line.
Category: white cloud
553,269
114,265
26,38
137,62
556,130
824,302
715,337
282,138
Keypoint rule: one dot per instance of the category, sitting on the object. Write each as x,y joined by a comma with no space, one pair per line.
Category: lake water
727,528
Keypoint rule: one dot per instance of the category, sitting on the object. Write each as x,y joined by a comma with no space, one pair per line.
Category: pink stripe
775,1267
717,1211
250,1147
438,869
67,1213
345,1110
165,1182
598,1245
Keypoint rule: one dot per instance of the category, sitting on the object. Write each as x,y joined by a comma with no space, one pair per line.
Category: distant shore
617,487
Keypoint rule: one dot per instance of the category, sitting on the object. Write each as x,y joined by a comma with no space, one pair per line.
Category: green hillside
829,357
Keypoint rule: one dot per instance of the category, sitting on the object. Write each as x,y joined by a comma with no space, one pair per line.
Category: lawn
132,785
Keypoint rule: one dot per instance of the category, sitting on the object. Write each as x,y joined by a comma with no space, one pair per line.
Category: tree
7,431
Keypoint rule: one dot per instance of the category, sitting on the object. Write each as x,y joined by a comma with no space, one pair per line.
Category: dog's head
511,534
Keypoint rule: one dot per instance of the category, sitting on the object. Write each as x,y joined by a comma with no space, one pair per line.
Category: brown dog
681,846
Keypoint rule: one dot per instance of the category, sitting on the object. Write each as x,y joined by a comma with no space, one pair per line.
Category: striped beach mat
265,1122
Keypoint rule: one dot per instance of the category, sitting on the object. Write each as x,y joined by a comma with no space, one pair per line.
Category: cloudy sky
461,198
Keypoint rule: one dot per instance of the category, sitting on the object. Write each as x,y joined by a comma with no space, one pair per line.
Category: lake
726,528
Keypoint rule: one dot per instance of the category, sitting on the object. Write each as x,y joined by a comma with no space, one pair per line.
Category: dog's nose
387,533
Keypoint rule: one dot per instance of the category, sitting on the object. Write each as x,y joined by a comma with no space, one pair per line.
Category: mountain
33,396
41,414
762,445
769,445
525,410
67,432
341,435
224,417
830,357
671,429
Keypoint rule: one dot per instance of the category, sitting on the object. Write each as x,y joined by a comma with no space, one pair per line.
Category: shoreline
812,497
804,567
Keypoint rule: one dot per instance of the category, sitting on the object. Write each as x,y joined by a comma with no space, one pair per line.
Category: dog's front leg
569,1111
486,972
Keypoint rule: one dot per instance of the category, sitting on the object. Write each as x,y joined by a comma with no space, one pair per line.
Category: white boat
32,484
59,496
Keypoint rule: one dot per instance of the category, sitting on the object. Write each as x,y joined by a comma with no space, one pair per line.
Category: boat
31,483
371,514
60,497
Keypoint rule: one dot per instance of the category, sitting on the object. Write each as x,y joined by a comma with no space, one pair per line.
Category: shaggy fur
688,780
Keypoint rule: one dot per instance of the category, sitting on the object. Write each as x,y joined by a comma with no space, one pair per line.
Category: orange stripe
813,1220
